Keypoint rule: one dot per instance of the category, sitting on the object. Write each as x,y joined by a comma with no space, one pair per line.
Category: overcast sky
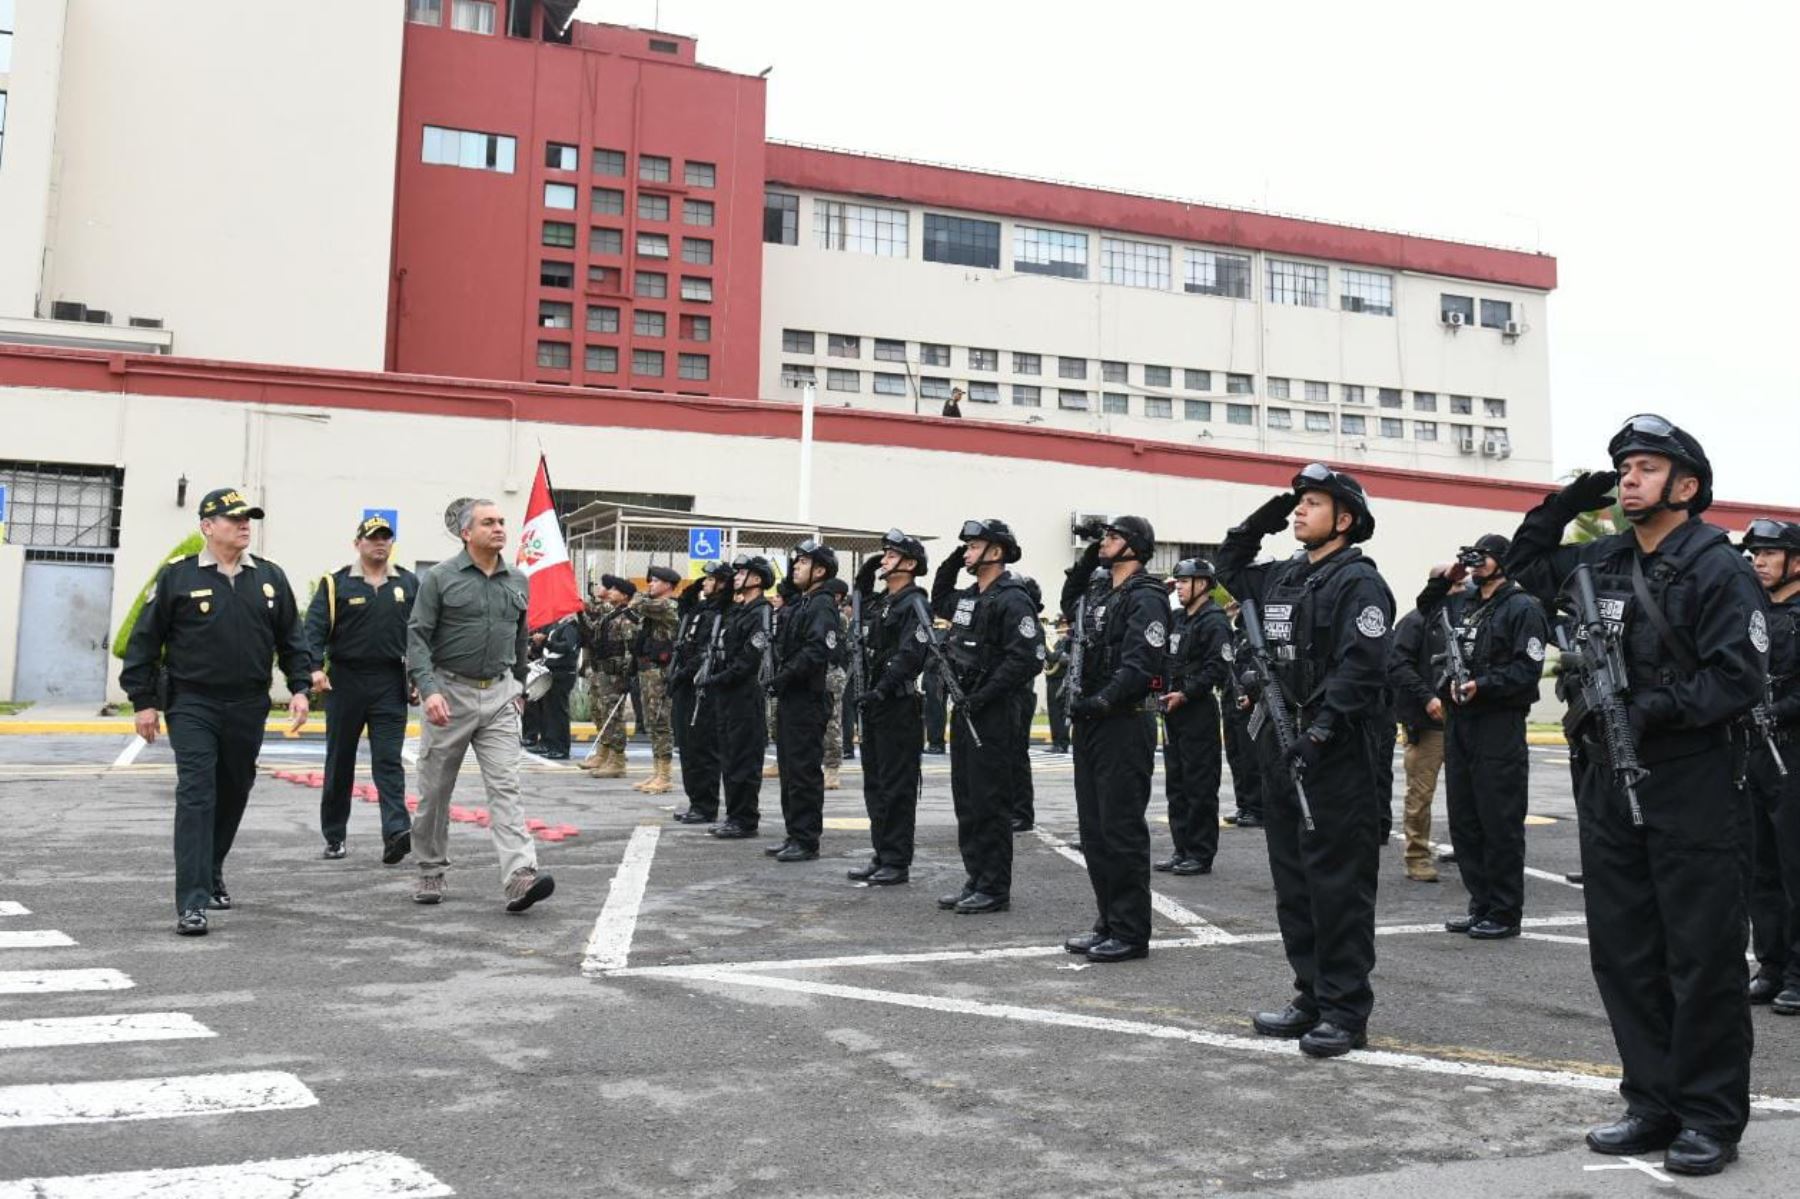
1653,155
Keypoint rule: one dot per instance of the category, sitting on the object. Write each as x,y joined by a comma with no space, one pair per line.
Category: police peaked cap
1343,488
1649,433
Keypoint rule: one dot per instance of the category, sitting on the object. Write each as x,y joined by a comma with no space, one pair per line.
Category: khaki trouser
1424,761
485,718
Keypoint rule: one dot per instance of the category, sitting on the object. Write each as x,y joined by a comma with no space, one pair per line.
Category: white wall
26,161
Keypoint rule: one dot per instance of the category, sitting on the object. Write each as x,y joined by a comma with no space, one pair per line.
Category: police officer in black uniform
733,679
1199,663
1240,754
1024,791
1502,631
895,651
1665,898
562,655
806,638
1327,617
993,647
1774,547
1125,624
356,629
200,654
703,605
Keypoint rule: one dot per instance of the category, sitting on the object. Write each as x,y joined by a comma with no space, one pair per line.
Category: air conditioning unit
1465,440
1454,319
1352,303
1497,445
1512,328
96,316
68,310
1084,520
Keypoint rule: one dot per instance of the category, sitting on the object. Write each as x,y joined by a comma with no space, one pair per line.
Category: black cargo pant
1387,736
800,721
935,709
741,723
1325,879
697,736
1246,764
1666,933
372,697
981,791
553,714
1191,772
1058,706
891,732
1024,794
1775,880
1487,772
1115,756
216,740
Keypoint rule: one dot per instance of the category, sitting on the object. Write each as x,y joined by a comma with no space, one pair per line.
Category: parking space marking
37,938
609,945
40,1104
129,754
100,1030
1193,923
10,907
44,982
363,1175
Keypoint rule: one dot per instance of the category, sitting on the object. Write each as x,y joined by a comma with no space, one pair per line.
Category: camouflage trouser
835,679
658,716
772,703
605,688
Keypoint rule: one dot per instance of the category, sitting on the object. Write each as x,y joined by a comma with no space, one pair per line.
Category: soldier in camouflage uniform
837,675
658,618
612,629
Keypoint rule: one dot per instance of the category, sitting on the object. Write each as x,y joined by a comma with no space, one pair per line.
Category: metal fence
627,540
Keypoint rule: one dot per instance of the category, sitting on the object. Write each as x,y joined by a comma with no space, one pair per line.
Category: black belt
368,664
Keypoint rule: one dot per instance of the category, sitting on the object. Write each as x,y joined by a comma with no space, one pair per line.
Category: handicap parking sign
706,544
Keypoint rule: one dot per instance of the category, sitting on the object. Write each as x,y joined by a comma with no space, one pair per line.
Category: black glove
1305,753
1589,492
943,580
1272,517
865,575
1650,710
865,698
1088,707
1250,683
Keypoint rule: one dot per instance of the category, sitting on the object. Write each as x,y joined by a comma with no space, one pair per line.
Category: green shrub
193,543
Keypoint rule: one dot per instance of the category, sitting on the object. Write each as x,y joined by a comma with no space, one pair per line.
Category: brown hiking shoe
526,887
430,889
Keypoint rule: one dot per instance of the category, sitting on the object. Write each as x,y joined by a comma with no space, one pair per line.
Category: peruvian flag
544,557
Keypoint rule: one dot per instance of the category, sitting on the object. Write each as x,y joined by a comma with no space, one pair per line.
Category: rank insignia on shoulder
269,590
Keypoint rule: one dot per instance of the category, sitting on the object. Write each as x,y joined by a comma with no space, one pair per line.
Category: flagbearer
356,626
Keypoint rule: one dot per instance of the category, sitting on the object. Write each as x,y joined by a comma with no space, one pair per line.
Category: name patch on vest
1278,622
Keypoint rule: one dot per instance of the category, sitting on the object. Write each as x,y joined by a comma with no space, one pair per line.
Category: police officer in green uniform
356,626
200,655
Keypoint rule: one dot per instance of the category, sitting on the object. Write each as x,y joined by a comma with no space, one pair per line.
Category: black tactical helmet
1137,534
1194,568
1345,490
835,586
1488,545
720,570
1648,433
815,551
1033,590
1765,533
757,565
995,532
906,547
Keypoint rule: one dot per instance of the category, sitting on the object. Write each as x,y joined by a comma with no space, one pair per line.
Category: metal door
64,611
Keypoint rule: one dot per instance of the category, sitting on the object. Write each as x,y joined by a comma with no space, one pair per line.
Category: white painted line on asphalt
44,982
334,1176
1264,1045
37,938
129,754
41,1104
1192,922
609,945
10,907
1560,940
100,1030
1391,930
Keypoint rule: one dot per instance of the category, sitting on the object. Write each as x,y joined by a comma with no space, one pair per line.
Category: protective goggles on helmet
894,538
808,548
742,561
1315,472
1648,424
1764,529
975,530
1471,557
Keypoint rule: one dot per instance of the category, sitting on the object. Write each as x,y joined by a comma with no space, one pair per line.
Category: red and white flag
544,557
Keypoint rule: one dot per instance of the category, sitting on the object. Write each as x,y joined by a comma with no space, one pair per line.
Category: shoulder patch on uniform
1028,626
1155,634
1759,632
1534,649
759,639
830,638
920,635
1371,623
1227,653
1041,655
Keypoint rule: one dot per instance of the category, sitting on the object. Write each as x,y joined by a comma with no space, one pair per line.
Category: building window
1238,385
962,240
1240,414
1196,380
1134,263
1071,368
1028,364
653,168
862,228
1462,405
608,201
472,16
1353,423
1210,273
647,362
843,345
652,245
781,218
1389,397
981,392
890,385
652,285
933,354
1278,418
602,318
559,195
606,241
1495,314
798,341
1317,392
984,360
419,12
1299,283
697,212
696,290
605,278
1113,372
933,388
1424,401
887,350
602,360
1024,395
1159,407
652,207
1393,427
1072,401
553,354
696,328
468,149
1158,376
1196,410
610,162
560,157
1279,389
1366,291
1050,252
560,234
1451,307
1494,408
693,366
556,274
1425,430
1115,403
553,314
645,323
1318,422
697,250
836,380
700,174
1353,394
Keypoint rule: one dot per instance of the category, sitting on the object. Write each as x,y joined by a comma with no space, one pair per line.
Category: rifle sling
1678,650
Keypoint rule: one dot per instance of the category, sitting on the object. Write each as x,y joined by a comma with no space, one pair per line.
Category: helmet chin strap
1666,504
1321,542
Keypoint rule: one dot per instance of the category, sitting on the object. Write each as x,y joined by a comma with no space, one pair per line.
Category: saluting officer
994,646
733,680
899,632
1774,546
703,605
1199,664
200,654
1124,664
611,631
1502,632
806,639
1665,898
356,627
1326,615
658,622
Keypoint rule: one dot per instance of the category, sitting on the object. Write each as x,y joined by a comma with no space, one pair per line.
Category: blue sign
391,515
706,544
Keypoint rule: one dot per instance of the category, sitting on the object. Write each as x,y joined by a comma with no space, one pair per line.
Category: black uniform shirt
562,646
1784,658
1502,639
370,627
1412,677
1197,652
994,639
1130,654
898,637
215,633
806,640
745,640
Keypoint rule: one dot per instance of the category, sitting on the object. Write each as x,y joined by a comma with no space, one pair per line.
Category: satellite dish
453,517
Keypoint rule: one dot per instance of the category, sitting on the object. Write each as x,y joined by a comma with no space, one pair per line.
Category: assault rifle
1456,667
1271,704
946,674
854,680
1593,655
703,676
1763,715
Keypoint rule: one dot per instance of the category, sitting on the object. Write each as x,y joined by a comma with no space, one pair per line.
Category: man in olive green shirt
466,654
